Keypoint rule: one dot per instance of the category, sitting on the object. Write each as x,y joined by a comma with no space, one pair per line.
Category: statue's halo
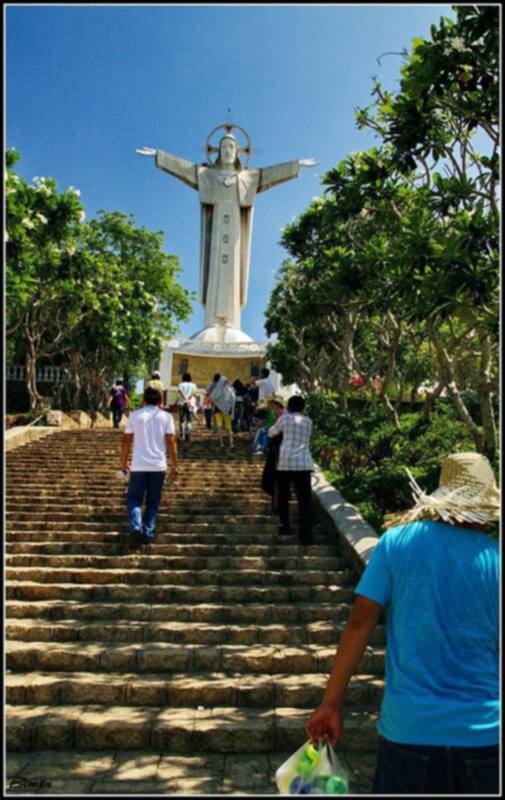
247,149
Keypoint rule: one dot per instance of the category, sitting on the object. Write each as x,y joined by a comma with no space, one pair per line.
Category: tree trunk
391,348
446,366
431,397
390,410
31,372
413,391
486,396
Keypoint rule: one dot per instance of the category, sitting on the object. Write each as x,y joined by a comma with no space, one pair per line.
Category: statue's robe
227,204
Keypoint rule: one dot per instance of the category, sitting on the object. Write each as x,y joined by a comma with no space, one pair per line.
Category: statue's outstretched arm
278,173
186,171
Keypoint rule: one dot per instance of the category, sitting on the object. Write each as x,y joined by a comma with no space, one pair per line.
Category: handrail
35,420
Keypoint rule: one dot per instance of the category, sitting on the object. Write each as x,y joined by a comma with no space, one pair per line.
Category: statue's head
228,153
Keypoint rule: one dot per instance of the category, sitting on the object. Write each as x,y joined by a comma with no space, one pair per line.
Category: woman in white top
187,400
295,466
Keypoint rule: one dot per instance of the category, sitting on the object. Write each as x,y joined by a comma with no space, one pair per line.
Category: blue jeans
423,769
117,413
148,484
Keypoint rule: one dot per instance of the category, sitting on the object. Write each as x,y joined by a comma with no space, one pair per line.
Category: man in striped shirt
294,467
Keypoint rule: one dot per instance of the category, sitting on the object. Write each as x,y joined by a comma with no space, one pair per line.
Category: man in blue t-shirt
437,574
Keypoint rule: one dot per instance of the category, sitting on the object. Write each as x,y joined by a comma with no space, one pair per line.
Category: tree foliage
395,270
97,297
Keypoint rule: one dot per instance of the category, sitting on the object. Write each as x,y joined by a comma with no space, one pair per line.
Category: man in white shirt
265,387
152,432
295,466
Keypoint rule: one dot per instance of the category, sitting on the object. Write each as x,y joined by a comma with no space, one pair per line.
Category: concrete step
157,657
45,507
183,689
120,537
182,730
86,772
165,517
125,592
275,553
295,613
215,640
162,526
69,630
100,575
287,563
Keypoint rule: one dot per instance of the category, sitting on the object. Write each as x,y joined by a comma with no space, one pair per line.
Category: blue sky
87,85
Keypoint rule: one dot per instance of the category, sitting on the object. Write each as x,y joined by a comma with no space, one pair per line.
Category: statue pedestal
202,359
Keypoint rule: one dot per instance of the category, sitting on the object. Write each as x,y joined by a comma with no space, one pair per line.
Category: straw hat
467,492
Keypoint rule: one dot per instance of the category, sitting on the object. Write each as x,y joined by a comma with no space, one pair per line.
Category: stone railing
354,537
57,421
44,374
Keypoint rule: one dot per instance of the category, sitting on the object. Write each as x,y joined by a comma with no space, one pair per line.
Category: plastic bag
312,770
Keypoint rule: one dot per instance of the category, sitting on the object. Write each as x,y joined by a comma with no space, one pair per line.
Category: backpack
223,396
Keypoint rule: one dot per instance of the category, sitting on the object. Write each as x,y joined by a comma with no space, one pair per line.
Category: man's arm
172,449
126,444
326,721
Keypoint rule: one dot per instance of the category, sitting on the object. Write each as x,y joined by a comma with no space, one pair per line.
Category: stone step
287,562
241,461
120,773
165,517
295,613
142,593
209,495
181,730
76,630
157,657
259,508
180,577
237,471
162,526
281,553
120,537
216,639
208,504
185,689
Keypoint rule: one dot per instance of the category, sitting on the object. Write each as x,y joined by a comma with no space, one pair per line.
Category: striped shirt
294,454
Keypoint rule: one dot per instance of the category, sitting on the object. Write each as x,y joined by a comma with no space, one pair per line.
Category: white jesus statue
227,193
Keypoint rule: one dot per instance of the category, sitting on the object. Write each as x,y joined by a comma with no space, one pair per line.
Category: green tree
43,295
134,304
98,297
449,91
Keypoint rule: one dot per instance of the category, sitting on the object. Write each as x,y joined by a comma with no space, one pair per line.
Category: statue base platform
203,359
221,334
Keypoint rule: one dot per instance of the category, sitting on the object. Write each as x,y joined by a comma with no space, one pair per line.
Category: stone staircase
191,665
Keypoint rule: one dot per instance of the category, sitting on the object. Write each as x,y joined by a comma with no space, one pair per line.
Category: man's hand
173,472
304,162
126,443
325,724
146,151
